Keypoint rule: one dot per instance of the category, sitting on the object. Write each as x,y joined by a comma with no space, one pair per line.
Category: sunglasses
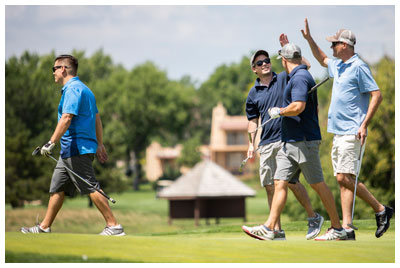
58,67
335,43
261,62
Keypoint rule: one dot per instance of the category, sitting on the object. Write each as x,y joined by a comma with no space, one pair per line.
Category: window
236,138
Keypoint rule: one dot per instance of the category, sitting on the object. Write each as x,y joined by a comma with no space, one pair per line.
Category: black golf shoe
351,235
383,221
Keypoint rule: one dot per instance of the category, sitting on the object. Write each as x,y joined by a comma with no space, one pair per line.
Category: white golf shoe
260,232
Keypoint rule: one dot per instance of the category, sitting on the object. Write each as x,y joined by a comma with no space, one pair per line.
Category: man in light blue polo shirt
350,112
80,132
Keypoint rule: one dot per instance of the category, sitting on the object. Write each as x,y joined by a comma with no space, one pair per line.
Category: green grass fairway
234,247
150,239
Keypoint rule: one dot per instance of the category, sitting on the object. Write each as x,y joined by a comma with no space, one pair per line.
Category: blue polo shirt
351,89
260,99
80,138
304,126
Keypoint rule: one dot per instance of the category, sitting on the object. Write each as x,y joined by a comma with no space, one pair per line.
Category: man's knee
294,186
318,186
344,179
280,184
270,189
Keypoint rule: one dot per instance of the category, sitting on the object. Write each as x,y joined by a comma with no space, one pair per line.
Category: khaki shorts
268,163
345,153
64,181
301,155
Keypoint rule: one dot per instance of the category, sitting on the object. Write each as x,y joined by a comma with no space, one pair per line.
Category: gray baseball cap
343,35
258,53
290,51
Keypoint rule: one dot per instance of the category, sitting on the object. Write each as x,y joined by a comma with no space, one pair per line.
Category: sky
193,39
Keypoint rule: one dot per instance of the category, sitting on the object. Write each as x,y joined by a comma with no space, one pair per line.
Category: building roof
234,123
206,179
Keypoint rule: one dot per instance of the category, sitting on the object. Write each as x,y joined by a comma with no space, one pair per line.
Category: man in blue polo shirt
350,113
301,137
80,133
266,93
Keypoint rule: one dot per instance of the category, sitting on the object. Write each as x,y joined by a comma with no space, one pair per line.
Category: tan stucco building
228,146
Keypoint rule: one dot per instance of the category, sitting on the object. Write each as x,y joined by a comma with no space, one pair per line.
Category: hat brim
332,39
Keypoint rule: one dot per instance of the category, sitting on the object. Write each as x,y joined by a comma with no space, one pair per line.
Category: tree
30,104
190,154
143,104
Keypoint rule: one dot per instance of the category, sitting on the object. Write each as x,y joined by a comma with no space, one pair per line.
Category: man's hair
296,60
70,62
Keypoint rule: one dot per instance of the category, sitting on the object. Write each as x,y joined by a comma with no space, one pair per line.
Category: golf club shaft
317,85
355,188
85,181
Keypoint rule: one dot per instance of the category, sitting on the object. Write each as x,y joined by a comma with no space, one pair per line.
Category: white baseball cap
343,35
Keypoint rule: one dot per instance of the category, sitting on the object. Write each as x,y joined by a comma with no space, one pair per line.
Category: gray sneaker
259,232
35,230
314,226
279,235
113,230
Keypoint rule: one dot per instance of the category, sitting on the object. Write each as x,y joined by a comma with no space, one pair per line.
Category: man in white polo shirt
350,112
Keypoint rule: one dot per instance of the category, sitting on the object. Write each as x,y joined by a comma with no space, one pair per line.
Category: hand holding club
46,149
274,112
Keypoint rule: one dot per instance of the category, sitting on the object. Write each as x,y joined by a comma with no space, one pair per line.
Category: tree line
142,105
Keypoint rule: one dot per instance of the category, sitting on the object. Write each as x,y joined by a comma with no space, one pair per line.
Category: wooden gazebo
206,191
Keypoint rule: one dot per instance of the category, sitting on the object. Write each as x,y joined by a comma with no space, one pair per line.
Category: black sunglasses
335,43
58,67
261,62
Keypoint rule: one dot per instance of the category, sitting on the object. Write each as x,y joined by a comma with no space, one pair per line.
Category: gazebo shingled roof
206,179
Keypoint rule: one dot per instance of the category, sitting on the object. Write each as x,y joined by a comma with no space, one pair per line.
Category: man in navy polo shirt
80,132
301,137
266,93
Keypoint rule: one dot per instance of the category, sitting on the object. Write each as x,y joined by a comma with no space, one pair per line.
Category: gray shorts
268,164
64,181
301,155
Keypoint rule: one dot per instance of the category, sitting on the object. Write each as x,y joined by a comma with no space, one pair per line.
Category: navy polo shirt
260,99
304,126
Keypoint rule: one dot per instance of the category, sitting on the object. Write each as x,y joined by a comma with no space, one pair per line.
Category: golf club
37,150
310,91
245,161
351,225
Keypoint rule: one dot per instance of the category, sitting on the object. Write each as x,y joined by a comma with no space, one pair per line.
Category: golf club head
352,226
242,165
36,151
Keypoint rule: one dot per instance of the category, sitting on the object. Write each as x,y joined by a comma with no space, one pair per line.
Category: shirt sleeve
366,82
252,111
331,67
299,89
71,101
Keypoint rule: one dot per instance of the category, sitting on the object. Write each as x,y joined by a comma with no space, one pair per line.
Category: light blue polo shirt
80,138
351,89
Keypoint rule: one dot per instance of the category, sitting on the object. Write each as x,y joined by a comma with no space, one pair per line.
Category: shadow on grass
11,257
